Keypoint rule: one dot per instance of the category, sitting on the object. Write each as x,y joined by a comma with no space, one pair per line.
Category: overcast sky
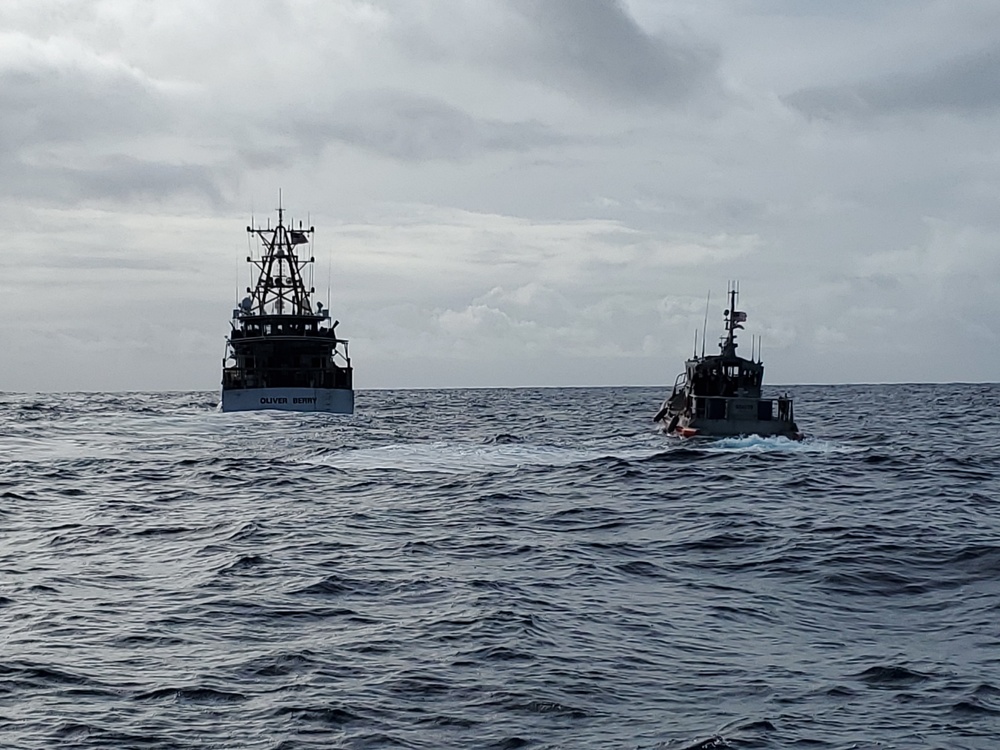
505,192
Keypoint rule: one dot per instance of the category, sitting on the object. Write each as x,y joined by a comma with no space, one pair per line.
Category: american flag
739,317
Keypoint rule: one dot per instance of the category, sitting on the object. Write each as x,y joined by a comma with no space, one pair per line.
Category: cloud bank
507,193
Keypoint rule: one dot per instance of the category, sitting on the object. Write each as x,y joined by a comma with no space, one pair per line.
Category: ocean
522,568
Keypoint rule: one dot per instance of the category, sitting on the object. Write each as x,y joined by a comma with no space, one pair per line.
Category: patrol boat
720,395
281,353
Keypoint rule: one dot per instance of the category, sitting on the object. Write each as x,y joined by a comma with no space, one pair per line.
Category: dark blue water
499,569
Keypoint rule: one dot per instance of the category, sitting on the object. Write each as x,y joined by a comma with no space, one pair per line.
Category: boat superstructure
721,395
281,352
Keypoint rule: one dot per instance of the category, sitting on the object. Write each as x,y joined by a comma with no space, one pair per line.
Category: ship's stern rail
287,377
335,349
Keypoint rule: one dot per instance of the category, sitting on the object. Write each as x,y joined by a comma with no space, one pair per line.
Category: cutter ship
282,353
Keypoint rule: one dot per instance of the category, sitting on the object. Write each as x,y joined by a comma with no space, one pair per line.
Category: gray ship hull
729,417
328,400
736,428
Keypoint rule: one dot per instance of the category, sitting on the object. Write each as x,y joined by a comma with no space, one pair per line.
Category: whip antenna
705,328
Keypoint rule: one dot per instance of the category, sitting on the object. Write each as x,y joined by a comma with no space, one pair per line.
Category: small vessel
720,395
281,353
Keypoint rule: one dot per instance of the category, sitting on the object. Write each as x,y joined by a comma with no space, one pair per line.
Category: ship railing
272,330
341,351
287,377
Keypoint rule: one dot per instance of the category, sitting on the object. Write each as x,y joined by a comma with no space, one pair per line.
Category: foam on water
778,444
456,458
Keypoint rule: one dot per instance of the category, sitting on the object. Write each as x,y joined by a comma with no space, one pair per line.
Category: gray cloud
412,128
125,177
58,92
75,123
116,262
119,178
589,49
966,85
595,46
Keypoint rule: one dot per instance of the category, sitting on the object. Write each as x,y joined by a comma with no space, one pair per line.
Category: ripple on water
497,569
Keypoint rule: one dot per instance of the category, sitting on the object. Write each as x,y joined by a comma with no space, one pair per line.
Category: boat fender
673,423
660,414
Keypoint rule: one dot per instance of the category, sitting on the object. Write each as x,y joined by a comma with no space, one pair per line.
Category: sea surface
499,569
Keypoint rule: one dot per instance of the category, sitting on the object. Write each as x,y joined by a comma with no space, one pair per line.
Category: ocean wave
496,569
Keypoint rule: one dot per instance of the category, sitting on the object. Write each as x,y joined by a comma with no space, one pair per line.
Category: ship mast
733,319
280,289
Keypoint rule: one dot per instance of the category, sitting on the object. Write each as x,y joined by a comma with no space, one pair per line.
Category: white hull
328,400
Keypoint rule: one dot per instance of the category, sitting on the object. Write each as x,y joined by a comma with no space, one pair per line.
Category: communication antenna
312,254
250,278
312,272
704,330
253,225
695,353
